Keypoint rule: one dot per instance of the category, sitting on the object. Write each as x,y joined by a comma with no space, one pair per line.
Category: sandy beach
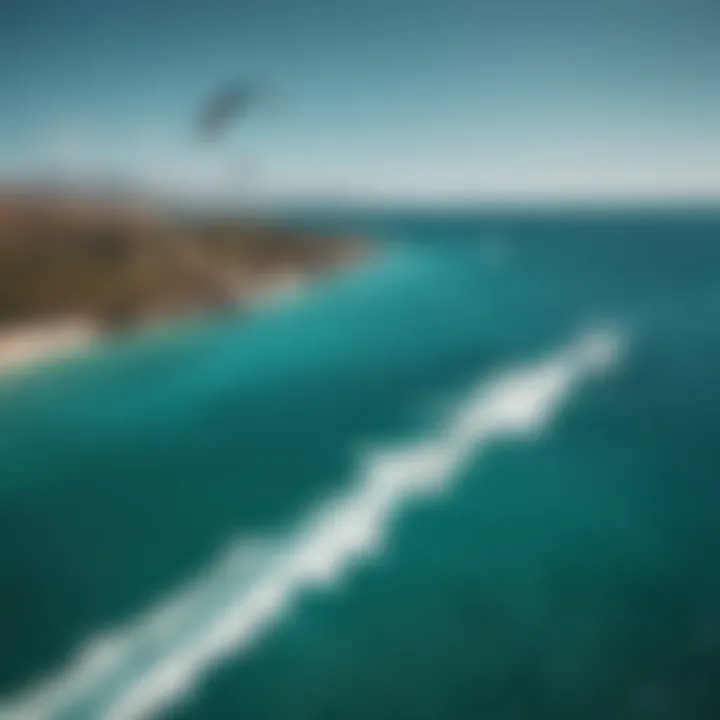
23,345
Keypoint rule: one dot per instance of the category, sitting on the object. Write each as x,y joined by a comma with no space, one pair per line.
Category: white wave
159,658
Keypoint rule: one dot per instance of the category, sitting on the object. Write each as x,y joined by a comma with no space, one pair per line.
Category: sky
392,99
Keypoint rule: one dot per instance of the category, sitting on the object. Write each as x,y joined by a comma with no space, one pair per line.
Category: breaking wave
158,658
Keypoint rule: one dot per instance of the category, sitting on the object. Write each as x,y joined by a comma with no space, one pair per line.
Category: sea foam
158,658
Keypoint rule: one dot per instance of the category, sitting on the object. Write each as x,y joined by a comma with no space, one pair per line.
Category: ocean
474,477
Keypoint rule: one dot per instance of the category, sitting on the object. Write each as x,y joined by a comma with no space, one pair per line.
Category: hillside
120,266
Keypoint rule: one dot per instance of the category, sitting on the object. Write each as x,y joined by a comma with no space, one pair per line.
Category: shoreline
25,345
76,272
35,342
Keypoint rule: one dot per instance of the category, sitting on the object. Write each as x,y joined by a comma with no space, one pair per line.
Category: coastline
75,274
26,345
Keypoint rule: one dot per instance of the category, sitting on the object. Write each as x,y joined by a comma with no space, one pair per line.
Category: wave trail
158,658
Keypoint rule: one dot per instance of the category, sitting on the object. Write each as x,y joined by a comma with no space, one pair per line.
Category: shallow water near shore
561,570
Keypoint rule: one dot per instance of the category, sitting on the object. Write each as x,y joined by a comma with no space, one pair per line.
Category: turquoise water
568,573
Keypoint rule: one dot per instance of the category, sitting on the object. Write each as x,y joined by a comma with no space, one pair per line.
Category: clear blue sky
392,99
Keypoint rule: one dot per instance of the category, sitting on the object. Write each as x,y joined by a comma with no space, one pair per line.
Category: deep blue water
572,574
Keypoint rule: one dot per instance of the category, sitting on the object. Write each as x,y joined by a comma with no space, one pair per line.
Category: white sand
23,345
